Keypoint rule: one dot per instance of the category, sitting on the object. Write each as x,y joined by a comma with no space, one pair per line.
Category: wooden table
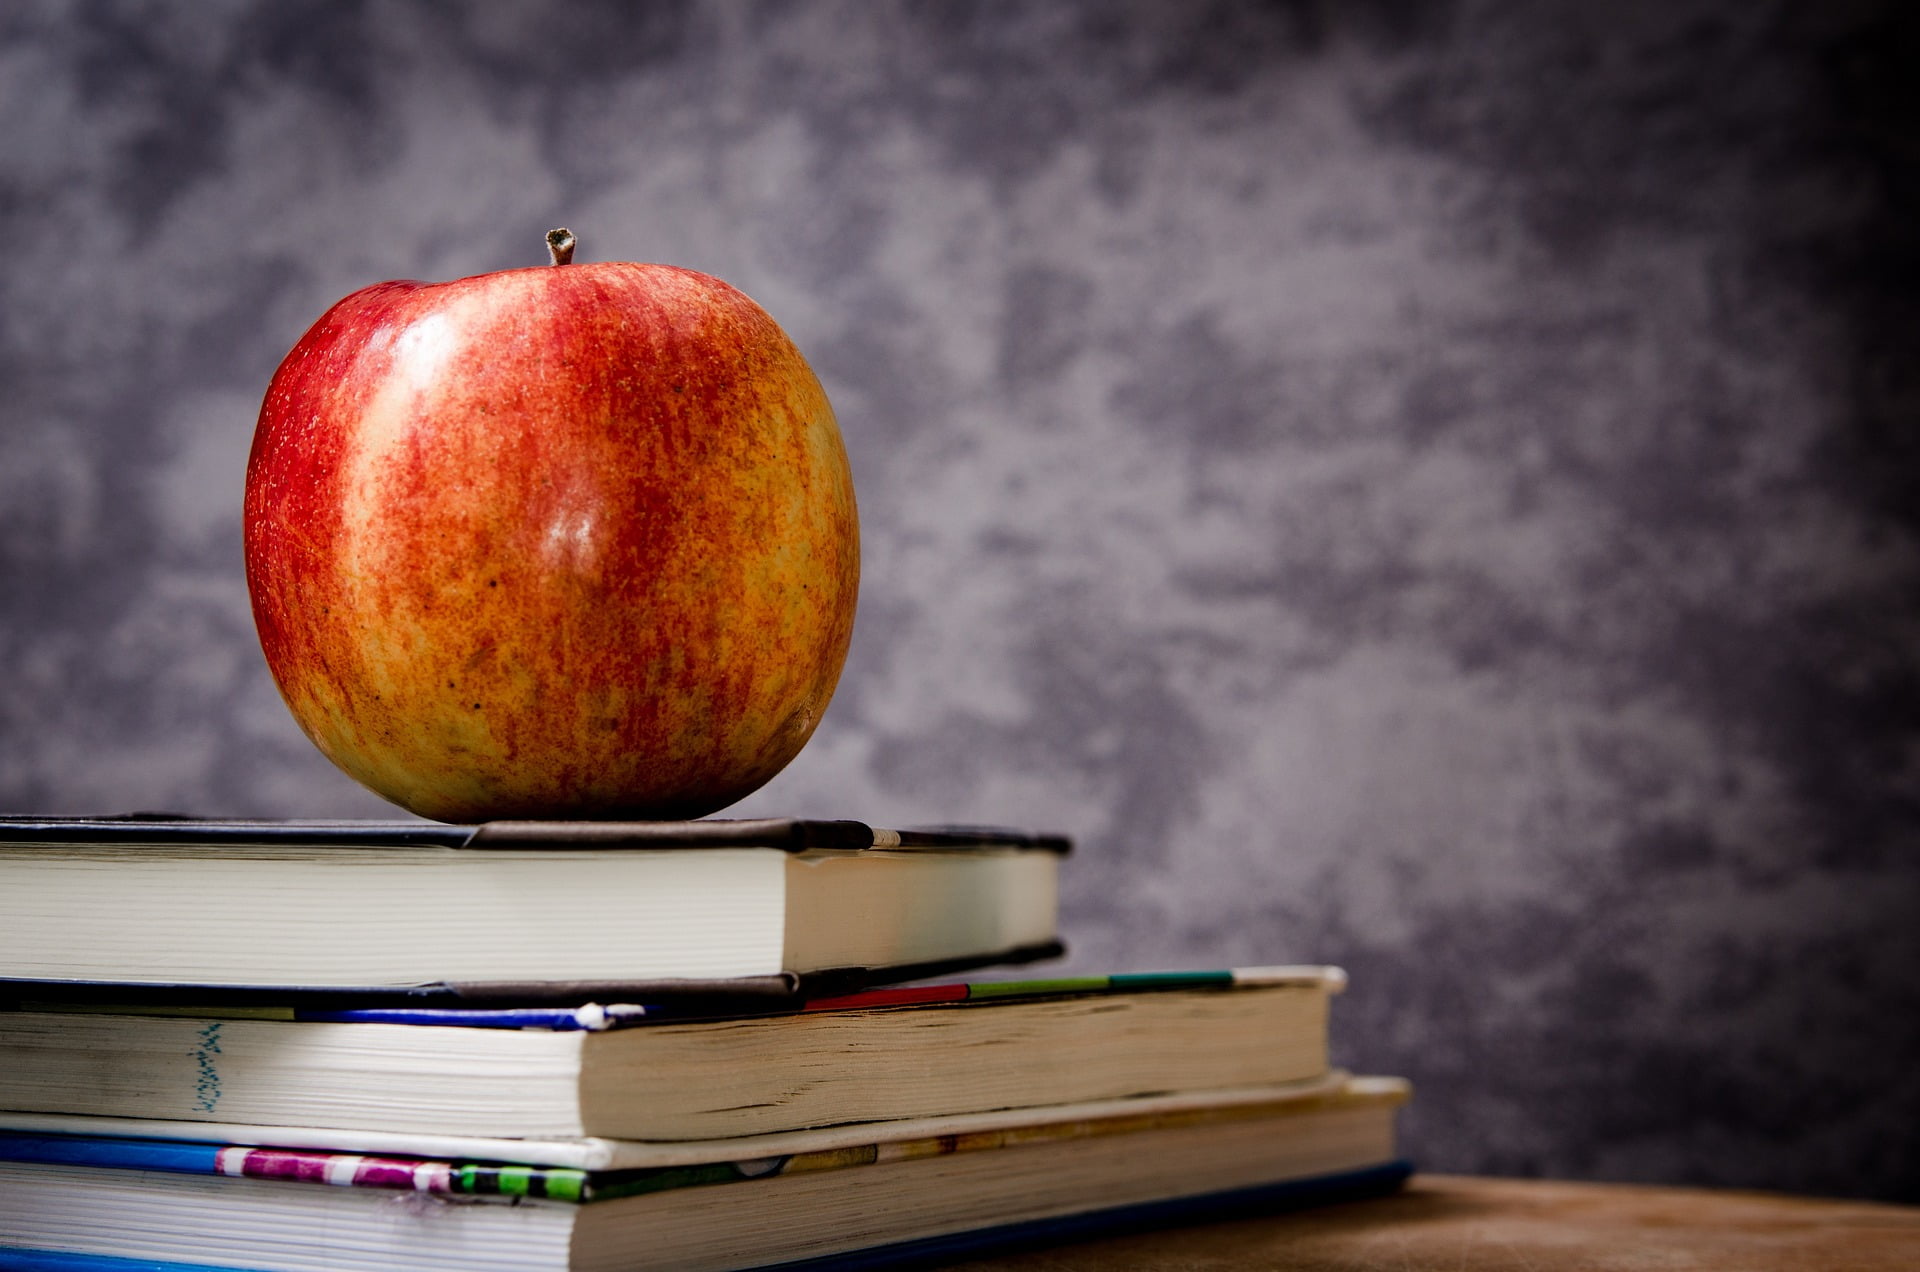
1502,1225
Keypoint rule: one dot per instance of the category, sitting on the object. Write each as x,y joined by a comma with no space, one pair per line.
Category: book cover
597,1017
790,834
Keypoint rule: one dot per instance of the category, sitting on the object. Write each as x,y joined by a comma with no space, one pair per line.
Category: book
907,1189
509,911
630,1072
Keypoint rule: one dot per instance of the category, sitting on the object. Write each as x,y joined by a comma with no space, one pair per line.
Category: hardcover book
508,911
634,1072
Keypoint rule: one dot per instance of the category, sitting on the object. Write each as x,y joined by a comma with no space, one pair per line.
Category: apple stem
560,245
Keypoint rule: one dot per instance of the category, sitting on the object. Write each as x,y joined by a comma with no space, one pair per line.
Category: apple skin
572,541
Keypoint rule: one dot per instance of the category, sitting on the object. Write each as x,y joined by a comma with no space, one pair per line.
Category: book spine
979,991
591,1018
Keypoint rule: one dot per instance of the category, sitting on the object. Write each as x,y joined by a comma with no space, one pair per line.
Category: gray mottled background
1428,487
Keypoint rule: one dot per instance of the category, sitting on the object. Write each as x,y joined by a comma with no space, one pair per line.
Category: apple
571,541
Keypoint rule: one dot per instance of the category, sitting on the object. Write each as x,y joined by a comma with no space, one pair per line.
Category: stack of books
617,1046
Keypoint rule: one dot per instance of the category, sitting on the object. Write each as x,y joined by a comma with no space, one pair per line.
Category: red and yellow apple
570,541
